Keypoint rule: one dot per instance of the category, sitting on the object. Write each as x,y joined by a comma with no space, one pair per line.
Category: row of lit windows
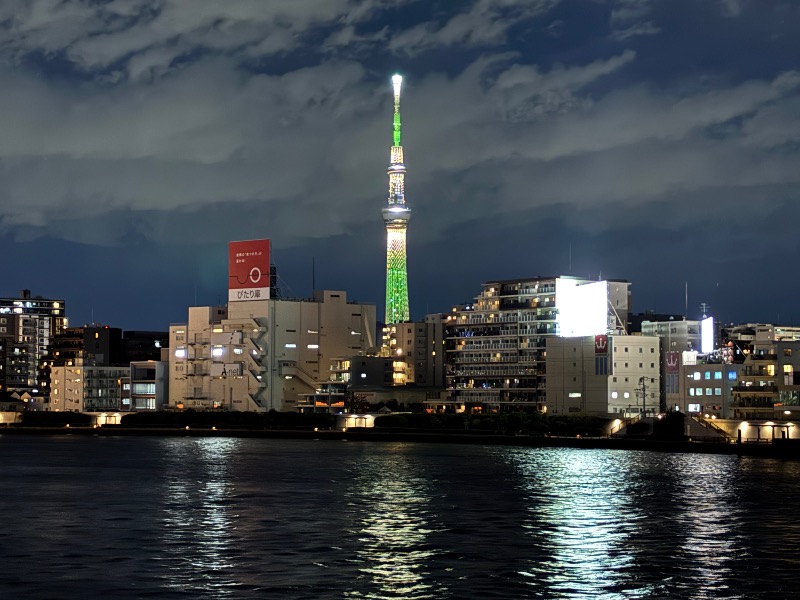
708,392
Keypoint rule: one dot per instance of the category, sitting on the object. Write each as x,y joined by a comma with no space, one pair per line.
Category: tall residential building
496,347
27,327
395,216
259,355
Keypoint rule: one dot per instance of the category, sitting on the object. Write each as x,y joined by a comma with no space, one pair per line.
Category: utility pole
642,382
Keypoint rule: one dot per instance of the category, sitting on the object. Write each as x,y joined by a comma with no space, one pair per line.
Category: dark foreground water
246,518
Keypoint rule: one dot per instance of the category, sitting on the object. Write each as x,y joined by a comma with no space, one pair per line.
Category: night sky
656,141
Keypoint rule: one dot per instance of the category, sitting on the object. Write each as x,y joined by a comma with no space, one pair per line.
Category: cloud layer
141,119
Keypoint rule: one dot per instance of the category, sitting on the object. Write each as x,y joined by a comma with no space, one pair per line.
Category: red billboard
248,270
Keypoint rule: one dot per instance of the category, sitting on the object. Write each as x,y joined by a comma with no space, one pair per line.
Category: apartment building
496,346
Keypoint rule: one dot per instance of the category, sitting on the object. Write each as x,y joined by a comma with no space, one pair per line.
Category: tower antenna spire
396,216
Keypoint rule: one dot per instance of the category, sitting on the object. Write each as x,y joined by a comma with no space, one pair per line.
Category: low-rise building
603,374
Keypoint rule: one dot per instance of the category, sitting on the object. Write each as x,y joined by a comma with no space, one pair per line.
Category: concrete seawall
784,449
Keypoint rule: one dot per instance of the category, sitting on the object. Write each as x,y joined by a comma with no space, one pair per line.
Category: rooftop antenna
686,309
704,306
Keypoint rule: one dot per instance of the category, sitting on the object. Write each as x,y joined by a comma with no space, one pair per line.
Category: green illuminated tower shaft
396,215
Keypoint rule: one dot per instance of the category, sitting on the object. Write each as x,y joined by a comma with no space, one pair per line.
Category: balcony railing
755,389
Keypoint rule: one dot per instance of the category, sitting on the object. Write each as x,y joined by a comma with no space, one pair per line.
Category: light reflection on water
197,523
242,518
710,522
391,499
578,505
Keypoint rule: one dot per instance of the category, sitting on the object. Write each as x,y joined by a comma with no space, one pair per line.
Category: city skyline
644,140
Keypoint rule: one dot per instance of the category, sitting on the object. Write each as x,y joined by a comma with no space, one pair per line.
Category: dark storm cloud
168,124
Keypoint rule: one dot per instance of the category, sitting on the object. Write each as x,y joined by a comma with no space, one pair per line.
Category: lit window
291,345
237,350
691,391
717,374
217,351
718,391
614,394
697,376
363,376
312,346
626,395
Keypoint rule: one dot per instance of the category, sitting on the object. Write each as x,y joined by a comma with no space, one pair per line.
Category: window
614,395
626,395
717,374
652,365
718,391
691,391
731,375
641,350
696,376
652,350
786,351
641,365
626,349
614,380
708,392
290,345
707,375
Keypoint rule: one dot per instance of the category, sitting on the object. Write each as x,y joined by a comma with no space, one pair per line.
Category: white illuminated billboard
707,335
582,307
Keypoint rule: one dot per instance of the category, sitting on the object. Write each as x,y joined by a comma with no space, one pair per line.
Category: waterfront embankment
784,449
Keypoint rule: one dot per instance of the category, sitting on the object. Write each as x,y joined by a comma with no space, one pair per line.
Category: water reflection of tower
396,216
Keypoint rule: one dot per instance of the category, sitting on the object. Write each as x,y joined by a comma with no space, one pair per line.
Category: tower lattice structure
396,216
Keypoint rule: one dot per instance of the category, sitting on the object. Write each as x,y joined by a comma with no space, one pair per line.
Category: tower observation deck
396,216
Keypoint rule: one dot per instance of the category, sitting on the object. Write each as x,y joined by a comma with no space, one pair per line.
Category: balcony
755,389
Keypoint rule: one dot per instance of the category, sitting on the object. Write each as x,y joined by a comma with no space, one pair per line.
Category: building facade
603,375
80,387
262,355
28,325
496,347
676,337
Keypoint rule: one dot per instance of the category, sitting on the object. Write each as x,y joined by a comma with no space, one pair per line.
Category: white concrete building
599,375
261,355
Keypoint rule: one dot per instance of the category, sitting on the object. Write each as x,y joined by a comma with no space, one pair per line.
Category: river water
247,518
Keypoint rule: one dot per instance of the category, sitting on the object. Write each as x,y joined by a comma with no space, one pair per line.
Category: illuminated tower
396,215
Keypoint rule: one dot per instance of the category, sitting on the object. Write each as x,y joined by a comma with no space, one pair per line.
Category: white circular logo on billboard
255,274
